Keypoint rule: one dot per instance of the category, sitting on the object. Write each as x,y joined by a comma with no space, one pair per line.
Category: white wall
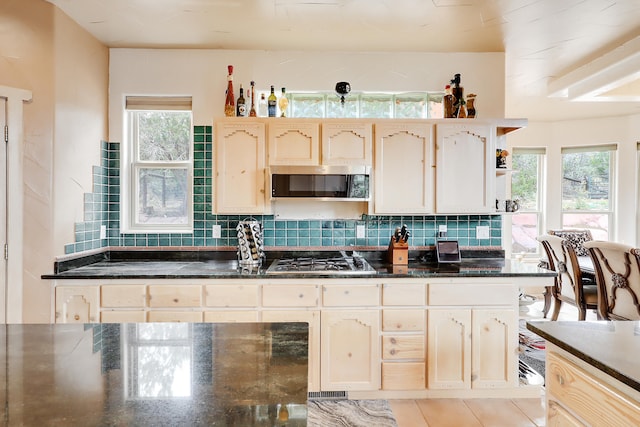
623,131
202,74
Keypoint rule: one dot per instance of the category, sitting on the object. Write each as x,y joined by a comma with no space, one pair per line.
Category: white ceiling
586,53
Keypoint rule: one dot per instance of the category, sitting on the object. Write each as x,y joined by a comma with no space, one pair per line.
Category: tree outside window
526,187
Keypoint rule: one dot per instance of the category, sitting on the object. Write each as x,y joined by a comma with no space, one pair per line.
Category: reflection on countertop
154,374
224,265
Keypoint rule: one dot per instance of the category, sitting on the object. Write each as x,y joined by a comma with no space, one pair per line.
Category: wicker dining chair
569,284
617,268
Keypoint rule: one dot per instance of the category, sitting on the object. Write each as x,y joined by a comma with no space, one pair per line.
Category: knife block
398,252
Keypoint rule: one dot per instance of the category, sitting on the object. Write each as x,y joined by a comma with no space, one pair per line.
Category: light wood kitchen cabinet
472,348
577,394
123,296
290,295
294,142
465,169
123,316
170,296
347,142
404,168
236,295
353,294
311,317
240,157
77,304
350,356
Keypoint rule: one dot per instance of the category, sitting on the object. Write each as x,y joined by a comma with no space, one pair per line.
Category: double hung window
157,165
587,189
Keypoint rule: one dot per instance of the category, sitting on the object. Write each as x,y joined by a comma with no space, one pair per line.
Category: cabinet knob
76,317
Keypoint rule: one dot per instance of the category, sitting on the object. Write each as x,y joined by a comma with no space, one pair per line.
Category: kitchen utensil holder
398,252
250,242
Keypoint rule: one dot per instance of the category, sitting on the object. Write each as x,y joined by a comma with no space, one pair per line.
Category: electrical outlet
482,232
442,230
217,231
103,231
360,231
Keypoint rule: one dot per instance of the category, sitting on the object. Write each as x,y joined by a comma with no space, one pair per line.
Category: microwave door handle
349,185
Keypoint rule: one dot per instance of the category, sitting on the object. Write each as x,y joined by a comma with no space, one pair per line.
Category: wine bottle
458,94
272,103
283,103
241,106
230,103
252,112
262,106
448,102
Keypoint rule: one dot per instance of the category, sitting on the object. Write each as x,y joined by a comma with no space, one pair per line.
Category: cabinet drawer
403,320
471,294
290,295
175,316
175,296
123,316
350,295
403,347
231,316
403,376
129,296
403,294
232,295
596,402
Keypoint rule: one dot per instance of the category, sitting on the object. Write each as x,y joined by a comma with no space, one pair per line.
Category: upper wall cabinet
465,168
294,142
403,171
239,155
347,142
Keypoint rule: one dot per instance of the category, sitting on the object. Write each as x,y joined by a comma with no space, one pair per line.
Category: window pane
307,105
524,184
376,106
336,109
164,135
162,196
435,106
598,223
585,181
524,230
410,106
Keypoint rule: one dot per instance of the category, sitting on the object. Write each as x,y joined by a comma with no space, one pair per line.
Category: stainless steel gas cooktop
340,264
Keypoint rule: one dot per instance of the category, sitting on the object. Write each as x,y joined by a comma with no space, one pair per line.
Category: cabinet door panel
465,169
132,296
294,143
403,347
403,376
449,344
232,295
350,350
77,304
404,164
240,167
356,295
347,143
175,296
403,294
403,320
494,348
290,295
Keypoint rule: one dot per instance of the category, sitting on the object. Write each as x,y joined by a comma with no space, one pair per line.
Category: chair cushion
576,239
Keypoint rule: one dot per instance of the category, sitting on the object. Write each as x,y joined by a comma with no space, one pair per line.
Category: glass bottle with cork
241,106
283,103
252,112
272,102
230,102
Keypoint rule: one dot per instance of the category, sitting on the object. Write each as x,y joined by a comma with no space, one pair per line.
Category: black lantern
342,90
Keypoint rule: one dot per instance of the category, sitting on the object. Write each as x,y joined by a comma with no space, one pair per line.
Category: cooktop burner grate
323,265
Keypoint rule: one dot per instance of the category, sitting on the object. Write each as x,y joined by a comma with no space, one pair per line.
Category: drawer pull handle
393,341
560,380
76,317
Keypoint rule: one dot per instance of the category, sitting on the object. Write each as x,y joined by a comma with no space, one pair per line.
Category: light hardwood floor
469,412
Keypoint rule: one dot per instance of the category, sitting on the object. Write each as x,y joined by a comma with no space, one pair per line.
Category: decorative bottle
252,112
230,103
241,106
262,106
272,102
283,103
458,94
471,106
448,102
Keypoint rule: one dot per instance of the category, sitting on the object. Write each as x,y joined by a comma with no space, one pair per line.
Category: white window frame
129,164
541,191
613,161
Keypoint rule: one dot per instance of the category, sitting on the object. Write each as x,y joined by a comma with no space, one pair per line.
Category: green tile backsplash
102,207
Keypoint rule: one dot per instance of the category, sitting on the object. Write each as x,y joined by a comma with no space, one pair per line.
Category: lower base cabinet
350,350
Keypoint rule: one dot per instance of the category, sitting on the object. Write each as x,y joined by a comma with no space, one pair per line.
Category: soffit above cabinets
555,51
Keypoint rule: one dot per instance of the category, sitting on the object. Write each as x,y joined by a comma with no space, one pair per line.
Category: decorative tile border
102,207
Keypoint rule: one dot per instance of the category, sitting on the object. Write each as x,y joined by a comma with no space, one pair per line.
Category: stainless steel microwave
339,183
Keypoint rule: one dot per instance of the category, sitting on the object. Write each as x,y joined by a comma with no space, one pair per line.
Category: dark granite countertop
611,347
223,265
154,374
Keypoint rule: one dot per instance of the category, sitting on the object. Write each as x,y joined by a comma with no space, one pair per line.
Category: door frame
12,287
